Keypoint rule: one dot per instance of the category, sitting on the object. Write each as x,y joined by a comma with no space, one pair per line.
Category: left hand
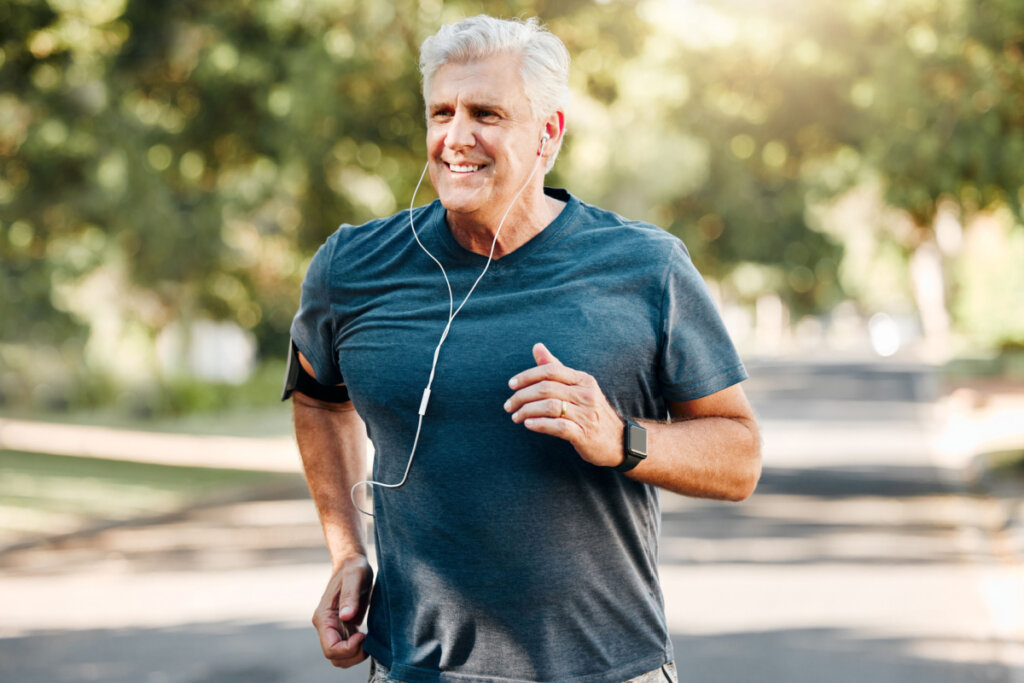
551,398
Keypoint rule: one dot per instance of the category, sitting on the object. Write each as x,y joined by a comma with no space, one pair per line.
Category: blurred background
845,174
848,176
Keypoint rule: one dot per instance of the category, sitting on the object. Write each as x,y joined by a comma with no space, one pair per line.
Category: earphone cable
447,328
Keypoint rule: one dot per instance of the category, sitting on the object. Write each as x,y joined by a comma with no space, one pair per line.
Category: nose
460,131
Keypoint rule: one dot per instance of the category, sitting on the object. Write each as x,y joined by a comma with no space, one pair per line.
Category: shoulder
361,248
350,236
360,252
642,239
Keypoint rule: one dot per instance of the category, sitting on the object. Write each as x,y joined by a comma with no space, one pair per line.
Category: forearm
704,457
711,449
332,443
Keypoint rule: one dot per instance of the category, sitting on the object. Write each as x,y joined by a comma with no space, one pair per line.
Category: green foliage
943,105
169,161
185,395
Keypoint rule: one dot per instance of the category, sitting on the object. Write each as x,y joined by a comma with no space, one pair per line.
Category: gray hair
544,67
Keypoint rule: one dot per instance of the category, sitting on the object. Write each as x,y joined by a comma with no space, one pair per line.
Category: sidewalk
268,454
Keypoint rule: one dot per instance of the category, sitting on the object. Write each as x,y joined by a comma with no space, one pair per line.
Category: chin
460,208
461,200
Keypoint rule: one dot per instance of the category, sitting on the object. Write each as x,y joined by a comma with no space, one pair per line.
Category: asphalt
874,549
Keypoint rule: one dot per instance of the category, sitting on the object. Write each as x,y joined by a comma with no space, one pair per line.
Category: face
482,138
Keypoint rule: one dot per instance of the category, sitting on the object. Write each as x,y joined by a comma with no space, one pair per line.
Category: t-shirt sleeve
313,328
698,357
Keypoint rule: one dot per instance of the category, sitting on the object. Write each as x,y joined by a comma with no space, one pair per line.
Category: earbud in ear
543,141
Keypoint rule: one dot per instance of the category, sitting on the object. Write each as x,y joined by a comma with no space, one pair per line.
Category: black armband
297,379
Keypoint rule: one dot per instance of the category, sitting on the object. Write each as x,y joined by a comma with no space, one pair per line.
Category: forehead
493,79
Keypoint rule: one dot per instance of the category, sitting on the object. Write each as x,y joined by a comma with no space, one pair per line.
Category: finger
555,372
353,591
337,638
543,356
348,653
554,426
548,407
538,392
331,638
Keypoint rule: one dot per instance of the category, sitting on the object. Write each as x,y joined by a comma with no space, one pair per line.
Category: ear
554,127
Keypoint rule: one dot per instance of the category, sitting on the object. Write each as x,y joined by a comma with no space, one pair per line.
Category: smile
464,168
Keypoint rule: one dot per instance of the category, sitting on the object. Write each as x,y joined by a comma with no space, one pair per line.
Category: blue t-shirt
506,556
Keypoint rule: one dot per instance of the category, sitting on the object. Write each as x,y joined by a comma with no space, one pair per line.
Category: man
516,511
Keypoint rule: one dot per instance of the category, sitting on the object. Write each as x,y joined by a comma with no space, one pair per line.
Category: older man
574,364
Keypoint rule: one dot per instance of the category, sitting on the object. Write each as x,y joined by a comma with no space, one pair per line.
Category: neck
528,216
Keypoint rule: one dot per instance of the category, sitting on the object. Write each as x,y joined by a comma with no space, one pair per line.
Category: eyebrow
474,107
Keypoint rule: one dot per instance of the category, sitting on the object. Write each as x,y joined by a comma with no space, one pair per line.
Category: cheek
435,141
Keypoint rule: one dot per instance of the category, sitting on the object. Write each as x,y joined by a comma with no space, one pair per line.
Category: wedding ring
563,409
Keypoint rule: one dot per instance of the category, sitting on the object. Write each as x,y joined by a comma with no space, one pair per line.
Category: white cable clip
424,401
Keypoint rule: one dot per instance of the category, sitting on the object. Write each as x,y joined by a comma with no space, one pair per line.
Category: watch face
638,440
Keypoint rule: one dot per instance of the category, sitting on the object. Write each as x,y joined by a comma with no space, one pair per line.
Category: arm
332,442
710,449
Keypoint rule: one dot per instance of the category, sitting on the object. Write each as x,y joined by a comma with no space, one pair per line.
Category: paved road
857,560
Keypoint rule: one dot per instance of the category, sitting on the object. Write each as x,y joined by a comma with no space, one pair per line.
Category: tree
161,163
942,122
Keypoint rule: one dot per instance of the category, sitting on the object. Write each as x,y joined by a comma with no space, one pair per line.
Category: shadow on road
836,483
817,655
800,517
221,652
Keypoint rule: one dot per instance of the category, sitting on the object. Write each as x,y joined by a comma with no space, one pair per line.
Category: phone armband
297,379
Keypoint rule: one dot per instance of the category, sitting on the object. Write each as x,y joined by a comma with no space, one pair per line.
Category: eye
441,114
487,115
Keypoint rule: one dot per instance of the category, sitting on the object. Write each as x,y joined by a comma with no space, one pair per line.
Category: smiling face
482,139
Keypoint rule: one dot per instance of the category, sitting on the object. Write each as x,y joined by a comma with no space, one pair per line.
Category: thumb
543,356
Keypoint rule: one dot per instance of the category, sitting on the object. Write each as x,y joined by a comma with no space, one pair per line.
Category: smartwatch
634,438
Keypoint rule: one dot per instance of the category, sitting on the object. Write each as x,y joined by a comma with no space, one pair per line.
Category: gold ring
563,409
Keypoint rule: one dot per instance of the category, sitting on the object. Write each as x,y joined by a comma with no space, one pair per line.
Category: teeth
463,169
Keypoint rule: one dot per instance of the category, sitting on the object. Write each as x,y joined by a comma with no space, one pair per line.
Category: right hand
341,611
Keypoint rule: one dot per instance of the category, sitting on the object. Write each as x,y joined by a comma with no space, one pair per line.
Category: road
858,559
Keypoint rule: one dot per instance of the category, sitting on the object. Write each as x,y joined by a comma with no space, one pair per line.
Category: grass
43,495
1007,462
171,405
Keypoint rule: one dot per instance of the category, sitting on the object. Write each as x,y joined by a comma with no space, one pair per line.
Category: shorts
666,674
